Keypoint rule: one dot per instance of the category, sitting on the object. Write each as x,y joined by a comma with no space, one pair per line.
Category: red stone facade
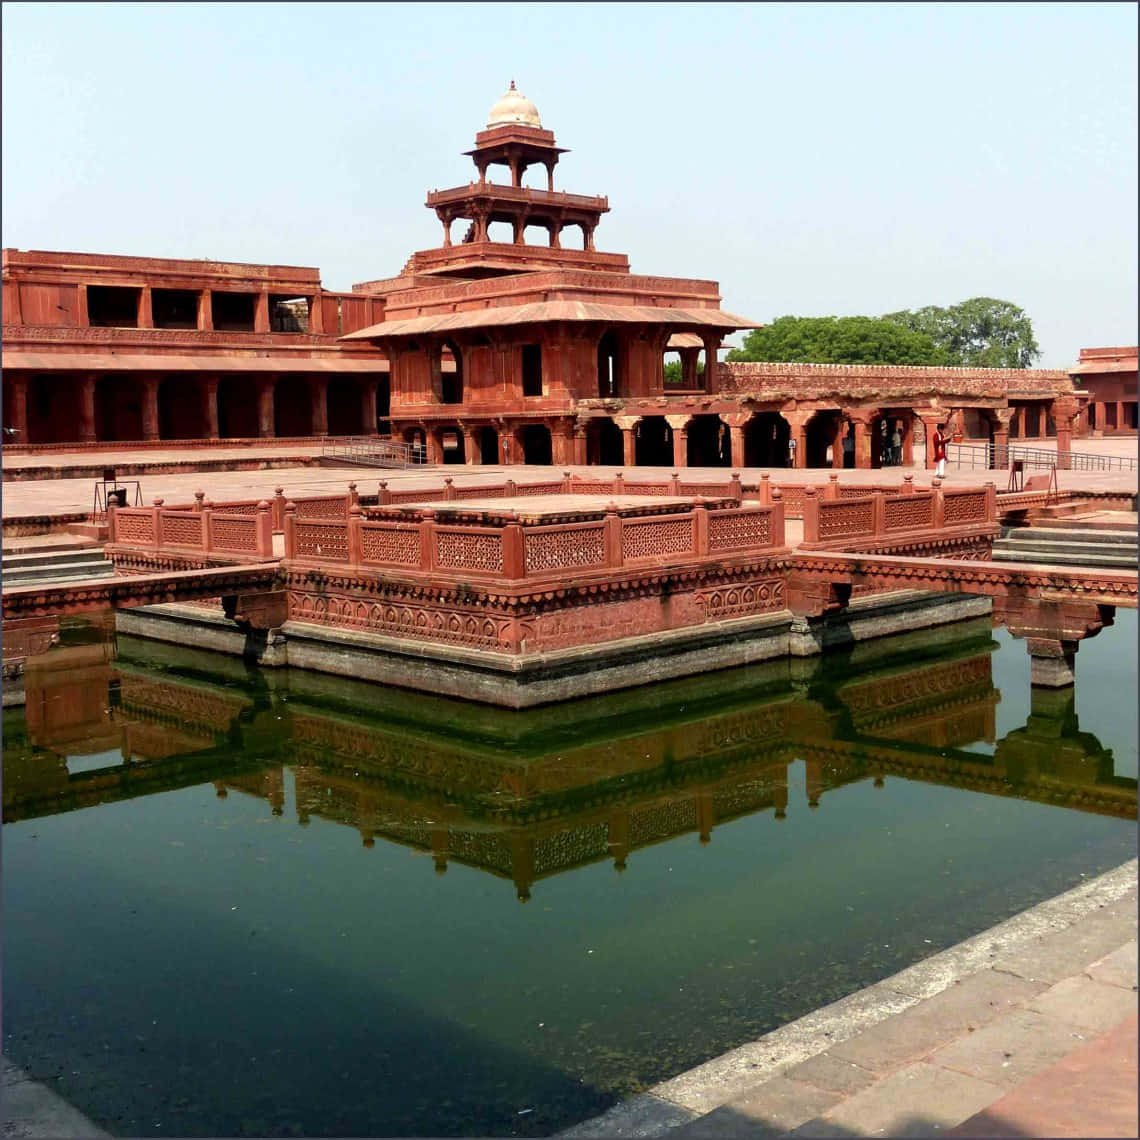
491,348
1109,377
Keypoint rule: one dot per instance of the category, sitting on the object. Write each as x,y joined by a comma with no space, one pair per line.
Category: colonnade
108,406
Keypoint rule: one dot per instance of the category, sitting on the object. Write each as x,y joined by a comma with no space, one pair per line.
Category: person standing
940,451
896,447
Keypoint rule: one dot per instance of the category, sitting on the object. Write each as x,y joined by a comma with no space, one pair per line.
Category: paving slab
1088,1005
770,1110
1011,1049
31,1109
962,1007
1116,969
920,1100
831,1073
1092,1092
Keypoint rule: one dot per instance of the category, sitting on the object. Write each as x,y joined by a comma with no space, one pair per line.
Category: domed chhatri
514,107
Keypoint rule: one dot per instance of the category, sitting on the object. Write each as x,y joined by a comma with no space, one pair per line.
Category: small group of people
890,445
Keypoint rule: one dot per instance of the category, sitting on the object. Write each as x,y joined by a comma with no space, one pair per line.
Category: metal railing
374,452
993,456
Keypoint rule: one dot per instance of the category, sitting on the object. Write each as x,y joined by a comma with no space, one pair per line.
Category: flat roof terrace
535,511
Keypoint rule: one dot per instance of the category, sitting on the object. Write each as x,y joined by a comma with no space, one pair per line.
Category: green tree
979,333
839,340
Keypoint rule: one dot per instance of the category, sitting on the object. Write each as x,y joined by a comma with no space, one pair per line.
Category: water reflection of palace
526,795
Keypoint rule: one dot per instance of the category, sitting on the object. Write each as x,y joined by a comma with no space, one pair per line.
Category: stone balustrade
492,544
833,521
205,530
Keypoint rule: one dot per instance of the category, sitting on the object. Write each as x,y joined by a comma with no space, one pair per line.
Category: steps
1110,545
55,562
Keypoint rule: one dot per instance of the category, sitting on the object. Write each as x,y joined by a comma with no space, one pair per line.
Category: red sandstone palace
487,349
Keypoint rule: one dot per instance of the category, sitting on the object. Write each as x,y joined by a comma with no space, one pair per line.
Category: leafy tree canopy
979,333
840,340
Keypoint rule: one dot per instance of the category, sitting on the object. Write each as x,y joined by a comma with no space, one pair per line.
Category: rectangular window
233,312
174,308
111,306
288,314
532,369
1110,415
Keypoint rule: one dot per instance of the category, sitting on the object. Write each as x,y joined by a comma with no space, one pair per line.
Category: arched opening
237,407
118,408
673,370
181,414
573,236
416,439
533,176
292,407
609,366
536,444
451,375
534,234
52,410
488,445
976,424
821,435
653,442
709,442
451,444
345,407
604,444
766,438
847,442
501,231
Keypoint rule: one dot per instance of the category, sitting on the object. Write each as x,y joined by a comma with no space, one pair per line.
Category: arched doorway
450,444
181,414
292,407
488,440
346,408
536,445
766,438
609,368
709,442
237,407
847,442
416,439
653,442
821,435
451,381
604,444
118,408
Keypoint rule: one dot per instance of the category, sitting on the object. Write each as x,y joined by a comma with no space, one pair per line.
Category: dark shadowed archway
820,434
181,410
536,444
346,408
292,407
653,442
709,443
604,444
766,438
237,407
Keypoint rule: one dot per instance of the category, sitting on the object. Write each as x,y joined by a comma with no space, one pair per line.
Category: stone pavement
1028,1029
30,1109
70,496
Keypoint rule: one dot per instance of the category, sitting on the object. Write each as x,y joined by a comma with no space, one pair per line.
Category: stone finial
936,482
159,502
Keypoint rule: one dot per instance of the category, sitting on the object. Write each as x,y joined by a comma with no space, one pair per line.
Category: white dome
513,107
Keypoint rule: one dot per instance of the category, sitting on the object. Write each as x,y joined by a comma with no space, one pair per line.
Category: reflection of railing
373,452
991,456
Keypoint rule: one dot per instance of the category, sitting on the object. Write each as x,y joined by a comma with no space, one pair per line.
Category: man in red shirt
940,451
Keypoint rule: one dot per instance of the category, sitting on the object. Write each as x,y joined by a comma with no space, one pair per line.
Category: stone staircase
58,562
1096,541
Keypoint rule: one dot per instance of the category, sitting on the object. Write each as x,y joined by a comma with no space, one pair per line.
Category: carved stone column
87,409
146,313
711,345
261,313
471,456
319,404
680,428
265,425
150,407
1064,413
1002,417
862,443
17,419
210,406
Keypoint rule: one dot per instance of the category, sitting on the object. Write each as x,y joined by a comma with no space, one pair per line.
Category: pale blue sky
814,158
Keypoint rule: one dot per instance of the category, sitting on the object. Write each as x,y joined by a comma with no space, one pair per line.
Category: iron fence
374,452
993,456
